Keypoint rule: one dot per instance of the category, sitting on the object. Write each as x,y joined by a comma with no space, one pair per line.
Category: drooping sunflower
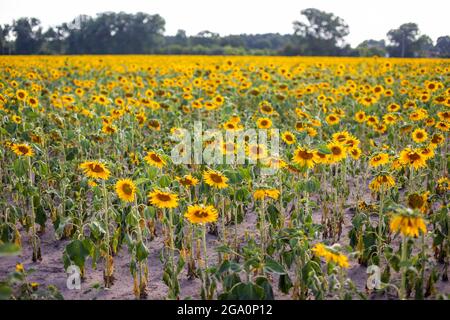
382,182
412,157
163,199
95,170
126,190
201,214
408,225
264,123
330,255
261,194
22,149
419,135
304,157
379,160
338,152
215,179
288,137
187,181
155,160
437,139
418,201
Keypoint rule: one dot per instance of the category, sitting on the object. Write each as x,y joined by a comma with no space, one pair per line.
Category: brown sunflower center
163,197
414,156
305,155
155,157
336,150
127,189
216,178
97,168
23,149
201,214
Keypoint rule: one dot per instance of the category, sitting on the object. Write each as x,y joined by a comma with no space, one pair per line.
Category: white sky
367,19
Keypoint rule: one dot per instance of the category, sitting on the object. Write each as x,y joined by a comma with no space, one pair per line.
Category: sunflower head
198,214
163,199
126,190
154,159
95,170
215,179
22,149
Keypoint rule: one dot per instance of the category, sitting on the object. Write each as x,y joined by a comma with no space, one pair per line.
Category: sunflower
338,152
215,179
201,214
229,148
95,170
382,181
437,139
412,157
419,135
163,199
264,123
16,119
257,151
330,255
275,162
360,116
355,153
266,108
418,201
33,102
21,95
230,125
154,159
379,160
22,149
187,181
288,137
109,129
126,190
408,225
332,119
443,126
154,124
427,152
260,194
304,157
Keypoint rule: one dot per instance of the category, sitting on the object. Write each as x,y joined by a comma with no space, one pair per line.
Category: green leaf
77,252
273,266
20,167
5,292
141,251
247,291
9,249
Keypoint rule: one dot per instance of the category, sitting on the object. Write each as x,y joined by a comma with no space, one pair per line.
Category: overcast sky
367,19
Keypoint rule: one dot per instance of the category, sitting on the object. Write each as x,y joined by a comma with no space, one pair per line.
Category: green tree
28,33
369,48
322,34
403,40
442,47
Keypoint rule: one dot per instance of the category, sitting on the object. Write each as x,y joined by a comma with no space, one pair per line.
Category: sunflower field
356,208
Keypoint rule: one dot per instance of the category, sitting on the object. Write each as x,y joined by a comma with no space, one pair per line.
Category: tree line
319,34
